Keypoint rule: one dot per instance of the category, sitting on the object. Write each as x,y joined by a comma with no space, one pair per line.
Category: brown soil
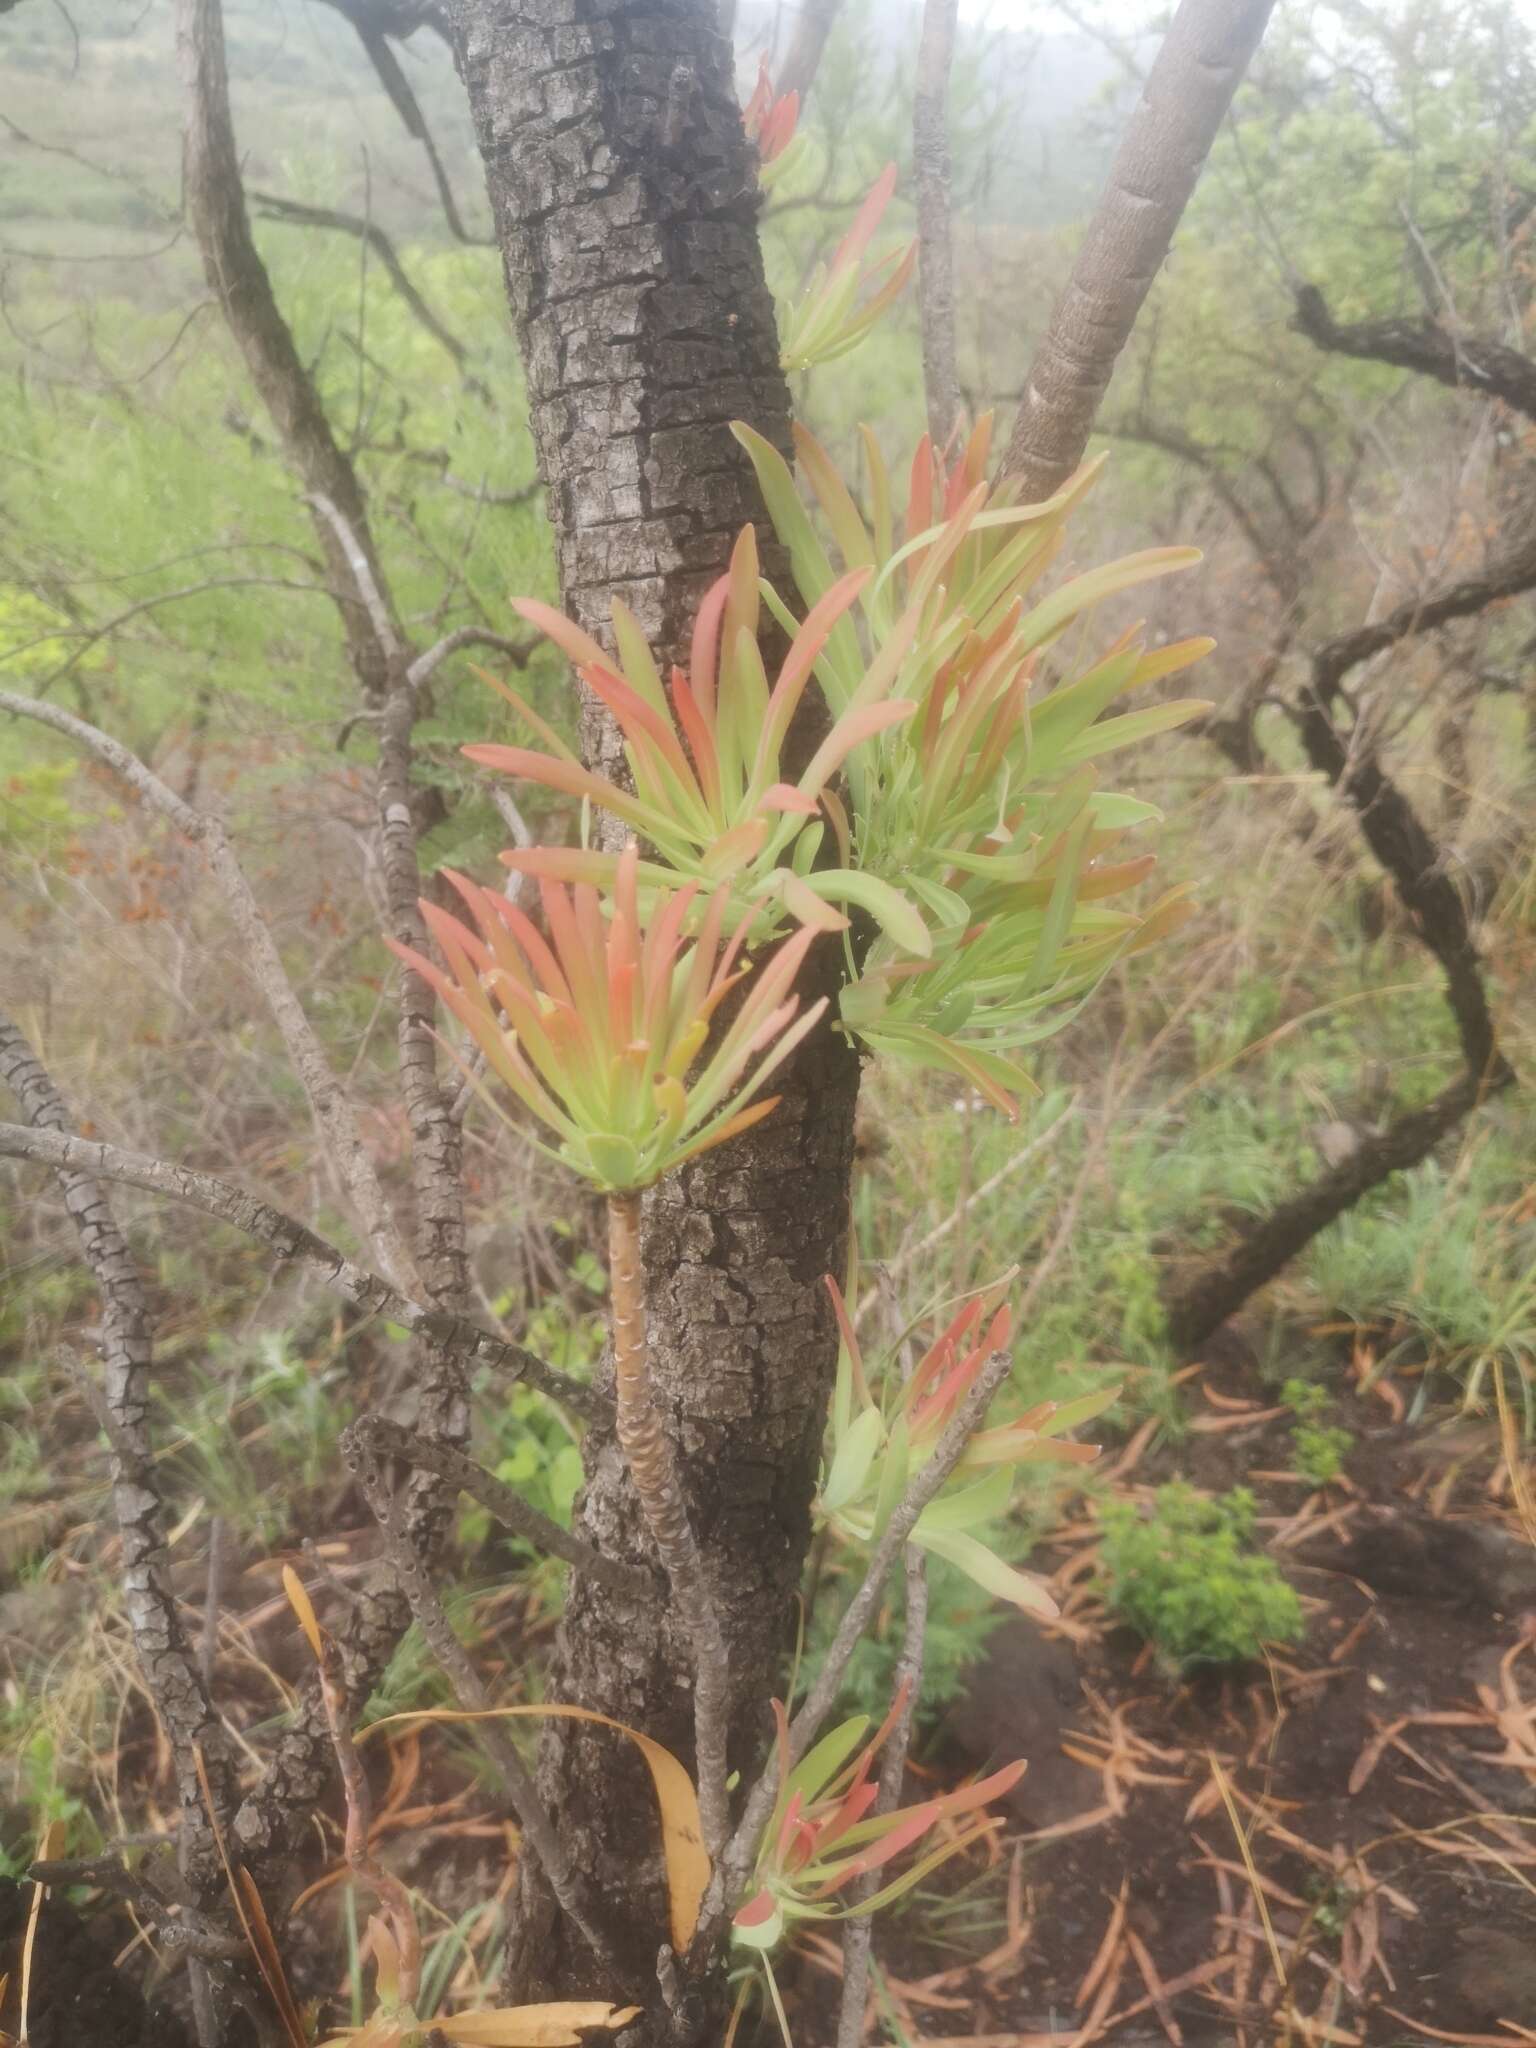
79,1999
1390,1817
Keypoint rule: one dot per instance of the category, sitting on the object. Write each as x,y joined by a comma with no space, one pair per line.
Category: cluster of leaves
844,297
967,822
1185,1574
1321,1446
983,804
823,1834
596,1029
885,1428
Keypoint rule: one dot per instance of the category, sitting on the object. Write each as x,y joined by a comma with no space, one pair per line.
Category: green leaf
1085,1408
893,1477
967,1507
1133,727
852,1460
891,910
821,1764
987,1569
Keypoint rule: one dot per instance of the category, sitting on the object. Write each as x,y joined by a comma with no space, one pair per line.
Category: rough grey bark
1188,91
625,201
166,1656
626,204
935,247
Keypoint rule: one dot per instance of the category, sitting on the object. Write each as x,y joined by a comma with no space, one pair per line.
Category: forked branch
1464,362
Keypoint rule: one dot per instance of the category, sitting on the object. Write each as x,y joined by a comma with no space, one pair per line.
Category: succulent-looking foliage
884,1429
954,798
704,754
984,804
596,1030
822,1835
771,122
845,297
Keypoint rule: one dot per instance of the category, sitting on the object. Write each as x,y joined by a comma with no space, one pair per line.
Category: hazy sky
1040,14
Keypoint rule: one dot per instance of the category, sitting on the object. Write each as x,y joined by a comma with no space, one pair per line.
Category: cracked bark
626,205
168,1661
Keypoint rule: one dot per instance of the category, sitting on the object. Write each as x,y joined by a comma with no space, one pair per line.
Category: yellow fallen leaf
682,1836
300,1602
534,2026
506,2026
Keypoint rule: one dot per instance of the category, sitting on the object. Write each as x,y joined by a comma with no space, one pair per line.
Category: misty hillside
315,124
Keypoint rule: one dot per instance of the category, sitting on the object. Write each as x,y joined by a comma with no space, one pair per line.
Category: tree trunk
626,206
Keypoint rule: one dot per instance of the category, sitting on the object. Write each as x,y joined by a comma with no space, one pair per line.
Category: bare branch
361,570
936,261
1509,575
1219,1289
291,1239
292,213
329,1103
89,636
215,203
1463,362
518,652
1169,135
375,20
802,61
893,1765
388,1440
1403,844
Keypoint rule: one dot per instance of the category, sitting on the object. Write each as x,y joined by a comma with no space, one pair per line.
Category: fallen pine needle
1106,1947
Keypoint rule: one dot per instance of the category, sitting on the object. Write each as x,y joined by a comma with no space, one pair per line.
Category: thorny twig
170,1669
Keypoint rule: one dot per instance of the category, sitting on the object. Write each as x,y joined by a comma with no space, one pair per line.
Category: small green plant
1321,1447
883,1429
1186,1576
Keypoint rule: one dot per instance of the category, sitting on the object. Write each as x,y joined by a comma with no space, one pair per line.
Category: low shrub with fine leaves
1186,1575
